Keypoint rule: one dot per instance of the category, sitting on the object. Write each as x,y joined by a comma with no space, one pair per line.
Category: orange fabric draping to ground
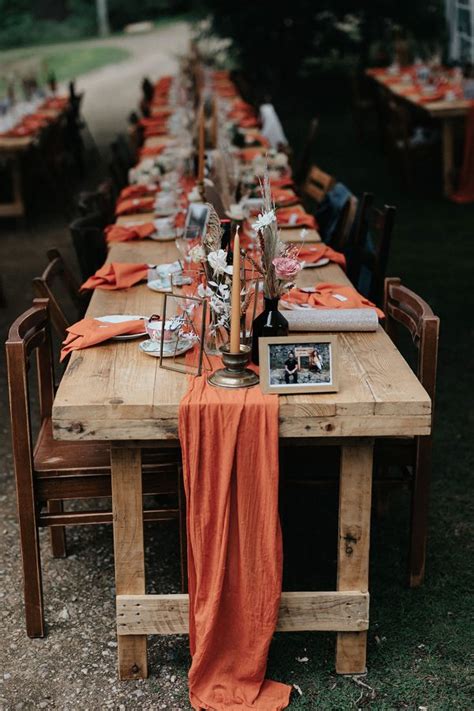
331,296
229,441
123,233
465,191
116,275
90,332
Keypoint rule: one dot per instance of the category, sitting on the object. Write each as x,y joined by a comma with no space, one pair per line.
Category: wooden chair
317,184
412,456
89,243
368,254
56,272
49,472
345,224
307,153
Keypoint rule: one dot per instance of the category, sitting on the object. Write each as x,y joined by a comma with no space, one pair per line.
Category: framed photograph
196,220
298,364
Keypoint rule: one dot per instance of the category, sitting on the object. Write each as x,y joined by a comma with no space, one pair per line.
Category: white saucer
152,348
120,318
320,263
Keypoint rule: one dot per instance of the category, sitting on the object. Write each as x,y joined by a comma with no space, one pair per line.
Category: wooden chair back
368,259
89,243
345,224
402,306
44,286
212,196
307,154
28,336
100,201
317,184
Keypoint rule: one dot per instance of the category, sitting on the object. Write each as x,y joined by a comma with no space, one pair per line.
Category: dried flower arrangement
278,264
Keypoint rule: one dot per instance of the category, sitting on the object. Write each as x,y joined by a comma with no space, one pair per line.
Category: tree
103,18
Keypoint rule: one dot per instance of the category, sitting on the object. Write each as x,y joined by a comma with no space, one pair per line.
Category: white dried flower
264,220
218,262
197,254
204,291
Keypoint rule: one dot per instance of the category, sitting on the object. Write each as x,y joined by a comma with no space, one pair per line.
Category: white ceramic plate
119,318
152,348
320,263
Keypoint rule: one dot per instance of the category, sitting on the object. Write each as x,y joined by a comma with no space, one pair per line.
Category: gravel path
113,91
74,667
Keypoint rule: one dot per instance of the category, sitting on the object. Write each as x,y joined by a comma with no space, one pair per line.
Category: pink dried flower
286,267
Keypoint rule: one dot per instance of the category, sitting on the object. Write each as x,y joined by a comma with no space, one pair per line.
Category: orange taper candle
235,303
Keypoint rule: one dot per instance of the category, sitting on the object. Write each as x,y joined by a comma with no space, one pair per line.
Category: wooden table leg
129,552
355,490
448,157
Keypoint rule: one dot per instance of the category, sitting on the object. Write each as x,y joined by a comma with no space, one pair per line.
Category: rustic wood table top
116,392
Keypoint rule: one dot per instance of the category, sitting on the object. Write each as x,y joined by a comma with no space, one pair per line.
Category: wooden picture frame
316,358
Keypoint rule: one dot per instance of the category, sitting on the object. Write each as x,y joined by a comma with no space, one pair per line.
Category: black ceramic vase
270,322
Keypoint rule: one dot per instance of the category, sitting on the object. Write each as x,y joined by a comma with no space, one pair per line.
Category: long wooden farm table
445,111
115,392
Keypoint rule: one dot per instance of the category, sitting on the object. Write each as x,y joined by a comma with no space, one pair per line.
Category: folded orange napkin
159,116
90,332
148,151
314,252
284,181
303,218
55,103
133,205
284,197
334,296
116,275
123,233
135,191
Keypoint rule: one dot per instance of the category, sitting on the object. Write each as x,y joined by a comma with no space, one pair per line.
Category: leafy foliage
272,45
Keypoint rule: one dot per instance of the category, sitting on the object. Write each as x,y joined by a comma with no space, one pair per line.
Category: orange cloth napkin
158,130
116,275
90,332
313,253
149,151
282,196
133,205
123,233
248,122
55,103
229,443
135,191
285,181
304,219
326,296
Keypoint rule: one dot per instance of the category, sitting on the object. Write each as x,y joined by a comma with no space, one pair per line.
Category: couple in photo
291,365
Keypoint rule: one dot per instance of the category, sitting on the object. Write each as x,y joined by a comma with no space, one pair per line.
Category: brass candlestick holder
234,374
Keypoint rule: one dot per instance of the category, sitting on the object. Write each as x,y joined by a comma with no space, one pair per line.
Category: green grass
66,62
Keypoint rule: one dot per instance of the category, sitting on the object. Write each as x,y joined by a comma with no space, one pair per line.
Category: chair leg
419,513
183,541
32,583
57,533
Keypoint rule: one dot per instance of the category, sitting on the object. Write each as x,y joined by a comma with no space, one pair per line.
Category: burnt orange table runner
229,442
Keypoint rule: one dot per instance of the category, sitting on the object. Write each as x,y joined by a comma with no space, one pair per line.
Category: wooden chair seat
63,457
